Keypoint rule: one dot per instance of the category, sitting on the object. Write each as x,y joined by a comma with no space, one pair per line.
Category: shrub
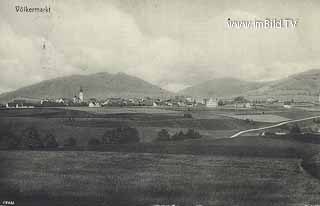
31,139
240,99
192,134
50,141
163,135
179,136
70,142
94,141
121,135
295,129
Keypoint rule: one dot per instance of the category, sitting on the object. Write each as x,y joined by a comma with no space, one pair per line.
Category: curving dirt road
272,126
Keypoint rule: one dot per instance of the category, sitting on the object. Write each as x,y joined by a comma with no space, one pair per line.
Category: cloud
169,43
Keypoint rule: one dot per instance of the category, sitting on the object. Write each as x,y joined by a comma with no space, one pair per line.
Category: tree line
164,135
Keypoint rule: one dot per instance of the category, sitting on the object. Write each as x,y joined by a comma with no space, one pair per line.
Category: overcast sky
166,42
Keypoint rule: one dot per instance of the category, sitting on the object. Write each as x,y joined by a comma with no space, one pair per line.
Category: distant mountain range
100,85
305,85
221,87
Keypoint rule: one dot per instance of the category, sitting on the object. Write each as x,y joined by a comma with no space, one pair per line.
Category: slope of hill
301,86
304,85
221,87
100,85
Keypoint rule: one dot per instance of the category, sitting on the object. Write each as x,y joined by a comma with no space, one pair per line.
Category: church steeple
81,94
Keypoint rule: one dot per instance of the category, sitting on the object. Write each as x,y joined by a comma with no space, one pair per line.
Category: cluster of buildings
79,100
177,101
20,103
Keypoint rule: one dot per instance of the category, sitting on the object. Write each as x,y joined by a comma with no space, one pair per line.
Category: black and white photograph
159,103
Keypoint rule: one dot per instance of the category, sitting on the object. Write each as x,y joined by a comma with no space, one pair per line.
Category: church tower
81,94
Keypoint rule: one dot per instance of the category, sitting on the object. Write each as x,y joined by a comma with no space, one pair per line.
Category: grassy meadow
113,178
213,170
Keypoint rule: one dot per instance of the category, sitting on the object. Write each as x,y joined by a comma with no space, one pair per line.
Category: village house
94,104
114,101
212,103
60,101
19,104
287,104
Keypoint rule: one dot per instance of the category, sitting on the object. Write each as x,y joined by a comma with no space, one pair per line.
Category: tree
240,99
178,136
121,135
70,142
31,139
295,129
163,135
50,141
192,134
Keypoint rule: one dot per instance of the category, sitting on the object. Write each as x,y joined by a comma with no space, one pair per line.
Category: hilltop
304,85
222,87
99,85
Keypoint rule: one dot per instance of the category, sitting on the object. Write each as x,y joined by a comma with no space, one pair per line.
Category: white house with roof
212,102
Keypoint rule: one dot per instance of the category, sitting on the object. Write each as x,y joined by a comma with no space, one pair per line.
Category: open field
112,178
270,118
81,125
121,110
213,170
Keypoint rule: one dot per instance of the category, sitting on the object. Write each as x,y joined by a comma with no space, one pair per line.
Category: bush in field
192,134
295,129
121,135
70,142
317,120
50,141
178,136
163,135
94,141
31,139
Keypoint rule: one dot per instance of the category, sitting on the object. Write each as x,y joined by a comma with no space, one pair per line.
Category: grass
247,171
261,118
107,178
126,110
82,128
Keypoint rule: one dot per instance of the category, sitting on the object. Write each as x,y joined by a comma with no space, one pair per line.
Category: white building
212,103
81,95
247,105
94,104
60,100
